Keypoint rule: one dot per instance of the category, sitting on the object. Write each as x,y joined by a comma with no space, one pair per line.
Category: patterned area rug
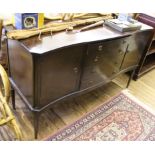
123,118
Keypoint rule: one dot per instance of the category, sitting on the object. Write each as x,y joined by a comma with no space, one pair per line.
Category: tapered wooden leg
130,78
36,124
13,98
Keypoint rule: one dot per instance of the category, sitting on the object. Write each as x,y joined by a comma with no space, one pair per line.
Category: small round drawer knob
75,69
96,59
100,48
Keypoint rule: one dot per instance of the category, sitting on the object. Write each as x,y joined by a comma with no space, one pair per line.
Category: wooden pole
53,27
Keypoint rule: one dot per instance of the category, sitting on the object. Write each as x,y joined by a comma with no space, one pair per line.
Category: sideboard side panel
21,68
137,44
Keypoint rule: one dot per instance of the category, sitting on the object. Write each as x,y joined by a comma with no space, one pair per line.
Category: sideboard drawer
103,61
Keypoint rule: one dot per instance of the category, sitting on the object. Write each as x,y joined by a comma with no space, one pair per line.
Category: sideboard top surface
63,39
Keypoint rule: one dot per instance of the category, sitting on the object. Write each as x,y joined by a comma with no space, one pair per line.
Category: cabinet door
136,47
103,61
60,73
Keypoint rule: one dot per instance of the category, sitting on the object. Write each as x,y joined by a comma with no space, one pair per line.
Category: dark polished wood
44,72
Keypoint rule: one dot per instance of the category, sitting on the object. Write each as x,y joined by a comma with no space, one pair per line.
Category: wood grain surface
67,112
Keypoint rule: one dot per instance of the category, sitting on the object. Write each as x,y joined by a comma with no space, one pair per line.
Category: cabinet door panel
60,73
136,47
103,60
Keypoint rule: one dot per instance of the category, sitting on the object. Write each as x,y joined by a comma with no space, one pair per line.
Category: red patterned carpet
123,118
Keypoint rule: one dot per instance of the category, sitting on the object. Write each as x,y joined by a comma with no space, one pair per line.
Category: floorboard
64,113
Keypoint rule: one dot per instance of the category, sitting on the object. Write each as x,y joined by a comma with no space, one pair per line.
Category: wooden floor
67,112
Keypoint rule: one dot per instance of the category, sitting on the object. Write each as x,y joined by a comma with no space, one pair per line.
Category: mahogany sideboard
46,71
